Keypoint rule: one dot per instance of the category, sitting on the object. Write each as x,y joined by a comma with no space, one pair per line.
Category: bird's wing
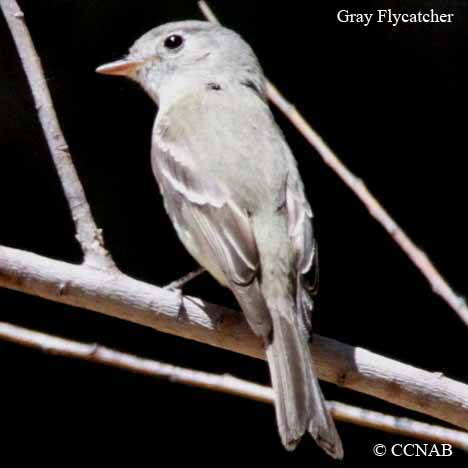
213,227
303,243
300,223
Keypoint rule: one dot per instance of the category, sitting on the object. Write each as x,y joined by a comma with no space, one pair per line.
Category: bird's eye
174,41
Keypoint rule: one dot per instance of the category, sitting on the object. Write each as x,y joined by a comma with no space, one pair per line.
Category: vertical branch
87,233
416,255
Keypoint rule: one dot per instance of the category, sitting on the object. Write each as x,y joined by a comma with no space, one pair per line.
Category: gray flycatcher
232,189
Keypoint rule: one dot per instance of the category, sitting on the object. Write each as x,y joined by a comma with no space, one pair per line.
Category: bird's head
193,51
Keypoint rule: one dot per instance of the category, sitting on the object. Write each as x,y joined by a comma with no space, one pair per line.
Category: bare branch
401,426
87,233
208,12
117,295
222,383
416,255
100,354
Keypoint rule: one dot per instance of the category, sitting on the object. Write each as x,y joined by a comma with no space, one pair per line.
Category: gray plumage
232,190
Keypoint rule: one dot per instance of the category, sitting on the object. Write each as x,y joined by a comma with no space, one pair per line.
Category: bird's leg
178,284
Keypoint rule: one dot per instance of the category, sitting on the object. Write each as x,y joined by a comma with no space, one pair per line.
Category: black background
388,100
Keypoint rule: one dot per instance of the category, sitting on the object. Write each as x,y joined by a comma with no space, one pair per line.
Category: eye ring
173,42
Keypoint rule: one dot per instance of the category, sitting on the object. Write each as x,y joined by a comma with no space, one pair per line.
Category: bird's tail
299,402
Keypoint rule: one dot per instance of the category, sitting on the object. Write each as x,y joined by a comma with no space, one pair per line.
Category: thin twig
117,295
416,255
222,383
208,12
87,233
396,425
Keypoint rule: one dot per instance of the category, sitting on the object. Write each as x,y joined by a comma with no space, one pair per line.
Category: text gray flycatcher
232,189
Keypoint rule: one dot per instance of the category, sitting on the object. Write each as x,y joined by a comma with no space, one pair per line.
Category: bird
232,189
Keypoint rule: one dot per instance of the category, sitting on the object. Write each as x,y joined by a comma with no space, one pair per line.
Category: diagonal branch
87,233
395,425
416,255
117,295
222,383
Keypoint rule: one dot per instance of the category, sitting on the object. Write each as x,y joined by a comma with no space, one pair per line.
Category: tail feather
299,402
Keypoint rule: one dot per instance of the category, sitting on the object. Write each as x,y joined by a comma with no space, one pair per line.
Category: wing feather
216,231
303,242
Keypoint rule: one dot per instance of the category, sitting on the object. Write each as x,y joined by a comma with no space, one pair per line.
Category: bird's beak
120,67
